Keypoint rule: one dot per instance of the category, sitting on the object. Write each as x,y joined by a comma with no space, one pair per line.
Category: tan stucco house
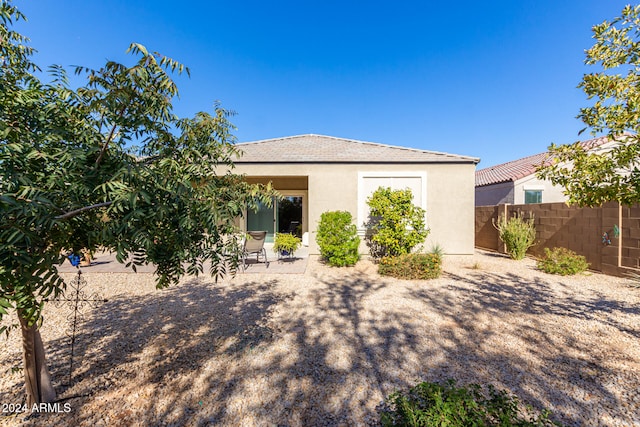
516,183
319,173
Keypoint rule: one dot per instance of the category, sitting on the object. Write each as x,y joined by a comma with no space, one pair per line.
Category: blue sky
495,80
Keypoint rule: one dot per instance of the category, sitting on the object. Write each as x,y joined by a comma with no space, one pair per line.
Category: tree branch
77,212
108,140
106,144
147,160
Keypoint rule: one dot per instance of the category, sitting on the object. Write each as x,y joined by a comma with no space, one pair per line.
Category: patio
105,262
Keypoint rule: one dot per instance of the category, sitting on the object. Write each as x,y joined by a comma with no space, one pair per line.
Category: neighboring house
319,173
515,182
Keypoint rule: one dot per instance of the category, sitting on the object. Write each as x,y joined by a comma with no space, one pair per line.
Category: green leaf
63,150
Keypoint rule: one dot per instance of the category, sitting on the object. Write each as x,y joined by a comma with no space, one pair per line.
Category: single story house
319,173
515,182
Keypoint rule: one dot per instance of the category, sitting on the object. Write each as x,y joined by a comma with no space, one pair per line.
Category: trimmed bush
411,266
517,233
338,238
395,225
562,261
433,404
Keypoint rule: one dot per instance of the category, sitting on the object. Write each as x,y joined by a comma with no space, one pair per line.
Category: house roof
517,169
510,171
327,149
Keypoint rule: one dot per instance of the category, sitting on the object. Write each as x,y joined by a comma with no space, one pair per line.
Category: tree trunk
36,375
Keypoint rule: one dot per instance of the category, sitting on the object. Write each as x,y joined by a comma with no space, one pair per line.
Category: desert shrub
411,266
434,404
562,261
517,233
437,249
338,238
395,224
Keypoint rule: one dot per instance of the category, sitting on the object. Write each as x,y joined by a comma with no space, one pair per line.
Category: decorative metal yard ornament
606,236
76,298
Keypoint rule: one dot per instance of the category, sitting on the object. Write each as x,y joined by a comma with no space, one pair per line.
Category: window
532,196
368,182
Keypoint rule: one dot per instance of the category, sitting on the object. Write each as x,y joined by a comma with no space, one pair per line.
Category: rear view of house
319,173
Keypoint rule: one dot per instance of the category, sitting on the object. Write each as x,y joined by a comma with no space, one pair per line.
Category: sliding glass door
289,218
284,216
262,220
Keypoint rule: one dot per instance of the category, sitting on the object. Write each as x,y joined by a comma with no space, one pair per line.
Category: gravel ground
326,347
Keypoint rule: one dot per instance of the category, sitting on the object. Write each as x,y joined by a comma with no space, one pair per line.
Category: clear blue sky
495,80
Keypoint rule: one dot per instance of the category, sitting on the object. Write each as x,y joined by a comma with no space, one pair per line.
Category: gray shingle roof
328,149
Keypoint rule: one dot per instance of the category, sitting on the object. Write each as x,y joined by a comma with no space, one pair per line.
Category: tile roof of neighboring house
328,149
516,169
510,171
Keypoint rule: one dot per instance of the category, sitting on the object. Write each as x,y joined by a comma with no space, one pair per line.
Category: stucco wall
449,196
550,193
495,194
513,193
450,207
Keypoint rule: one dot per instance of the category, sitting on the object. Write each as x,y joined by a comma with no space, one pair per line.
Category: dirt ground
325,347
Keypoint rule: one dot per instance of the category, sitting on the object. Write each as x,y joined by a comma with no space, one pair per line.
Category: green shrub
562,261
286,242
517,233
433,404
338,238
411,266
395,224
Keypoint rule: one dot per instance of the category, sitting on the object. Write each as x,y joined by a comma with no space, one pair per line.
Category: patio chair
254,244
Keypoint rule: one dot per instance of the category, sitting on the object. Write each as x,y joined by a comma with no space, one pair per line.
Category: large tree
590,178
70,180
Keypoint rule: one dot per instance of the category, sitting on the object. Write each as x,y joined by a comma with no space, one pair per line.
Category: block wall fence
580,229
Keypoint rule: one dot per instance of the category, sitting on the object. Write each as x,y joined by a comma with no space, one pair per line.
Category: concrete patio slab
105,262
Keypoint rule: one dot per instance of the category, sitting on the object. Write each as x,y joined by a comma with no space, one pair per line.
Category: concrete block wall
486,233
629,237
558,225
575,228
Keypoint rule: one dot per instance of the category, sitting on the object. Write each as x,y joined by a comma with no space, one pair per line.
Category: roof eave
289,162
494,183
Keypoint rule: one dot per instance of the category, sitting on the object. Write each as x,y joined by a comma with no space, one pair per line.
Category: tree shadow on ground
553,365
327,350
556,370
540,295
171,333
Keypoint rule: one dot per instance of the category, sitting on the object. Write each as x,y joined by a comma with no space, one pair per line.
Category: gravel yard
325,347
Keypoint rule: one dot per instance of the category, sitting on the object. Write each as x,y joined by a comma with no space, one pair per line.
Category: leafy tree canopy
590,178
70,179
